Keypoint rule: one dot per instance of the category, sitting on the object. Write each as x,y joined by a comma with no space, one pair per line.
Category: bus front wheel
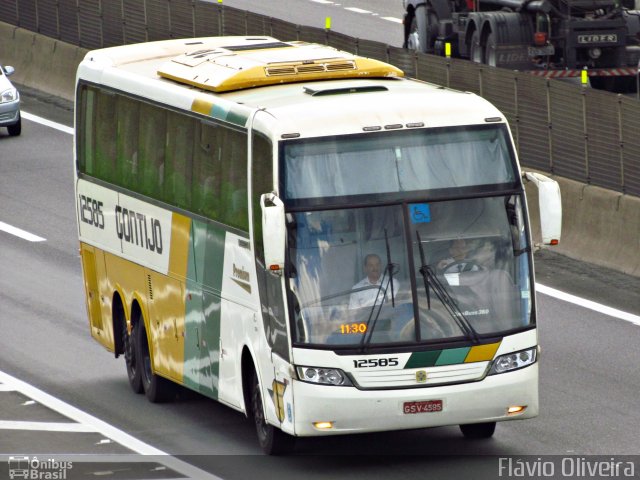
478,430
273,441
156,388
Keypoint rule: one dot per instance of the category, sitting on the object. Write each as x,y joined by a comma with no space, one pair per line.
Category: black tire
490,57
431,29
421,30
273,441
15,129
413,39
156,388
478,430
476,51
131,358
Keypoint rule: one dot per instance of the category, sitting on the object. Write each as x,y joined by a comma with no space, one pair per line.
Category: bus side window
127,113
151,151
261,182
269,285
106,132
86,147
206,180
180,143
233,174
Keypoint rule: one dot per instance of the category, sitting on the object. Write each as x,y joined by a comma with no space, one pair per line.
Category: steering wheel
460,266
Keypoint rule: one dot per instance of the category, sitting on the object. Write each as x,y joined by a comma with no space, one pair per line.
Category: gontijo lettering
138,229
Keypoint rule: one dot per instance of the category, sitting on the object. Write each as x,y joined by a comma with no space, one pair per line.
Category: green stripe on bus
228,115
423,359
206,107
452,356
204,285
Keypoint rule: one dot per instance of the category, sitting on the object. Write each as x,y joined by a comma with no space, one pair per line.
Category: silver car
9,103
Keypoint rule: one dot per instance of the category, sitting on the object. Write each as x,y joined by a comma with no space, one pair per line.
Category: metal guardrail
582,134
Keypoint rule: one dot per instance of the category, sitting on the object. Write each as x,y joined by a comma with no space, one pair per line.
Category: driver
468,257
366,290
459,260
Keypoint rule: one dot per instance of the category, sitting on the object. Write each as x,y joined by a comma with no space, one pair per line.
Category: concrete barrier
599,226
41,62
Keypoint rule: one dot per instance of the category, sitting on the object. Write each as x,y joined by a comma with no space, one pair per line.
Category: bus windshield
418,272
397,267
398,161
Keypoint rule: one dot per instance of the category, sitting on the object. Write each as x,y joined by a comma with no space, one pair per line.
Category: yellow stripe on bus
201,106
180,238
482,353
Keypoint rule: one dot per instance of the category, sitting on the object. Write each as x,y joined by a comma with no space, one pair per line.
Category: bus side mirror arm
273,232
550,204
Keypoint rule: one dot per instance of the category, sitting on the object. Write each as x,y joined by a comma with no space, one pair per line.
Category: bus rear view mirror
550,205
273,231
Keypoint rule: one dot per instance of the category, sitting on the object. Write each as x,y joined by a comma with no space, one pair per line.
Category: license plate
426,406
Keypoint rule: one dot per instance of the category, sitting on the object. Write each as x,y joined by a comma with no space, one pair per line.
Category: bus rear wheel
478,430
131,359
273,441
156,388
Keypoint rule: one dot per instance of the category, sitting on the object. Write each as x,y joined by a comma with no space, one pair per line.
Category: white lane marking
48,123
324,2
392,19
45,426
99,426
356,10
5,227
598,307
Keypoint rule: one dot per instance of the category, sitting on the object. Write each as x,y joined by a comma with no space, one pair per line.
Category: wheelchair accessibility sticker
420,213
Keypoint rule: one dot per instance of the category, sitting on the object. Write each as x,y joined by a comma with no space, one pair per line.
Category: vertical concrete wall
41,62
599,226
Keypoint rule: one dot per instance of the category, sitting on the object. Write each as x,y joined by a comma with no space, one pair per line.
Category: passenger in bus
371,286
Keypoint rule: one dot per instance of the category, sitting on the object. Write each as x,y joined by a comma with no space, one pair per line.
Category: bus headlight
514,361
323,376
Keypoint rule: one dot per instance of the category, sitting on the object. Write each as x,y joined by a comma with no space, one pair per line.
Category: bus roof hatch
254,62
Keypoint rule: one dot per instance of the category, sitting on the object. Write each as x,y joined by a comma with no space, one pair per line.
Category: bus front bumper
349,410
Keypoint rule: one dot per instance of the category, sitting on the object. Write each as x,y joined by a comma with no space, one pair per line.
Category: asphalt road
589,376
371,19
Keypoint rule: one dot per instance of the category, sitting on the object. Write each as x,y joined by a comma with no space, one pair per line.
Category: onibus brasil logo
33,468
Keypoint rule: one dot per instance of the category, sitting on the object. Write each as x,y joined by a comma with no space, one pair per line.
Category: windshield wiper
423,271
368,333
390,268
445,298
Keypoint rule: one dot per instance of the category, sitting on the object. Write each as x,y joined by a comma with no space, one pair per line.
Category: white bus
307,237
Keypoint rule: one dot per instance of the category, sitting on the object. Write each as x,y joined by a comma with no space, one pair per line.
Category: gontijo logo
48,469
126,225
